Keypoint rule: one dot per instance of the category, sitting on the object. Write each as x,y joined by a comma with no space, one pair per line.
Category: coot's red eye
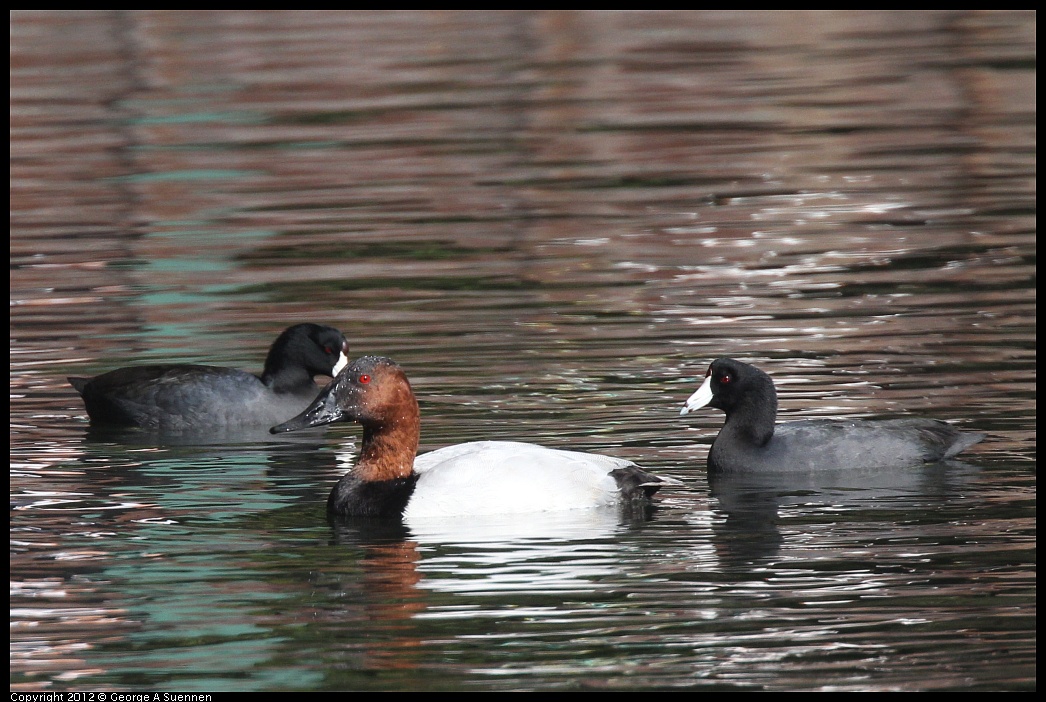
726,378
328,349
364,379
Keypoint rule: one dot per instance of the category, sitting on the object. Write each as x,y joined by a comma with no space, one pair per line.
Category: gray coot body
180,398
750,440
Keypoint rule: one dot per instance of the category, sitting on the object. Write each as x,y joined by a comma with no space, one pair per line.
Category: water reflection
533,553
750,533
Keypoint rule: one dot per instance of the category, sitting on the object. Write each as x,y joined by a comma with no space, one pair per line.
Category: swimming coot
475,478
181,398
751,441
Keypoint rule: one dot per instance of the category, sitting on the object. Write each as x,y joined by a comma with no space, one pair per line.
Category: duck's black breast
356,498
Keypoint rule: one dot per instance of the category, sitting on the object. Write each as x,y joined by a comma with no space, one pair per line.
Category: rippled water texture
553,221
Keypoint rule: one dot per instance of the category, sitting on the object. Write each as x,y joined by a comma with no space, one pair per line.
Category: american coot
750,440
470,479
182,398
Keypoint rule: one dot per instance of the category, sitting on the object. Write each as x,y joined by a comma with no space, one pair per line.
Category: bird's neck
388,450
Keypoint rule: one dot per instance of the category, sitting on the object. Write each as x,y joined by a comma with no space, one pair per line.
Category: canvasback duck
470,479
182,398
751,441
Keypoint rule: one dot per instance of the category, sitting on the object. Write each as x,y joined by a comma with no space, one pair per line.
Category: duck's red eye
364,379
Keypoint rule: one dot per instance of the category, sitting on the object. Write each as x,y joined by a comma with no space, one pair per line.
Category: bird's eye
364,379
726,379
328,349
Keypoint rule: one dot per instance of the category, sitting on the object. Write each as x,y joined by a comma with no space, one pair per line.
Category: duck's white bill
700,398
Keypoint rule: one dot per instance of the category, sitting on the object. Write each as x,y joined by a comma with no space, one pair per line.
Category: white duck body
510,477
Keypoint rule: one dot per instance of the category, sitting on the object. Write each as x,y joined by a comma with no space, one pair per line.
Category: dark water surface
553,221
